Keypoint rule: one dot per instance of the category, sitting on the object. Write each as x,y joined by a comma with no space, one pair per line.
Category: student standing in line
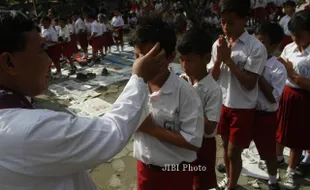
289,9
238,60
271,85
172,132
293,127
194,50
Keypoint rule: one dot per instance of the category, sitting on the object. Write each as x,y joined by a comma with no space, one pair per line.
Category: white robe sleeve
47,143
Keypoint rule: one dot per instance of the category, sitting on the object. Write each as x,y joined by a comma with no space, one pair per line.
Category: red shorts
236,125
96,43
293,119
73,43
120,35
265,127
107,39
286,40
67,50
82,37
151,179
54,52
206,156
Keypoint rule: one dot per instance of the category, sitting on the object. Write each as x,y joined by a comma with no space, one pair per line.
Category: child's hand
225,51
147,125
183,76
288,65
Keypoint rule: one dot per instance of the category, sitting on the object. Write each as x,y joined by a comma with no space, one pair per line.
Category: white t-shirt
49,34
64,33
300,61
176,107
57,29
117,21
79,25
284,24
96,28
248,54
211,97
276,75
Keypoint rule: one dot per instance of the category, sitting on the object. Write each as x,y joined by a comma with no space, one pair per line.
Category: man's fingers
154,51
161,55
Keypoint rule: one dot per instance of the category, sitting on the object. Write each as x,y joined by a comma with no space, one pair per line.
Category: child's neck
195,79
156,84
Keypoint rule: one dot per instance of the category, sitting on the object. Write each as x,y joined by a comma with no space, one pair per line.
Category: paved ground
120,172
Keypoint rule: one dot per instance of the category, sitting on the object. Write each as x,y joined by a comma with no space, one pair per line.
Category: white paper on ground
250,163
93,107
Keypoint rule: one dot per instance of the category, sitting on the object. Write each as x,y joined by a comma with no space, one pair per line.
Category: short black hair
242,8
13,26
152,29
196,41
64,19
300,21
46,18
91,16
289,3
274,32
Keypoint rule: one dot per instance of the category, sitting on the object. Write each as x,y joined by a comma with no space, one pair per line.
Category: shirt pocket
240,60
167,120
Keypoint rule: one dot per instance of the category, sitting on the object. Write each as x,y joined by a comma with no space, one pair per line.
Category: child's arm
212,109
266,89
191,125
252,69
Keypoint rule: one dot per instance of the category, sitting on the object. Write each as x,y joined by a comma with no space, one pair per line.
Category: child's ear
171,57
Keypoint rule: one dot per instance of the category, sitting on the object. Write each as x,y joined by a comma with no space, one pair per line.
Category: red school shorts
54,52
206,157
67,50
73,43
236,125
96,43
156,179
264,131
82,38
260,13
293,119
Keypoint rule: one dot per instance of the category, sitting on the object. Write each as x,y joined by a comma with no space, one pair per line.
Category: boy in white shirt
166,142
289,9
271,85
53,47
95,38
238,60
65,40
118,24
194,50
81,32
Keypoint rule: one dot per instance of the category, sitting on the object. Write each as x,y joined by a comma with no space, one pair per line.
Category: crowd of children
245,94
64,34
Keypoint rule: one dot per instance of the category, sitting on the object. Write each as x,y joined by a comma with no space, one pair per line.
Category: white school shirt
211,98
248,54
103,28
95,27
279,3
79,25
284,24
300,61
175,107
64,33
117,21
158,6
71,28
276,75
215,21
43,149
259,4
50,35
